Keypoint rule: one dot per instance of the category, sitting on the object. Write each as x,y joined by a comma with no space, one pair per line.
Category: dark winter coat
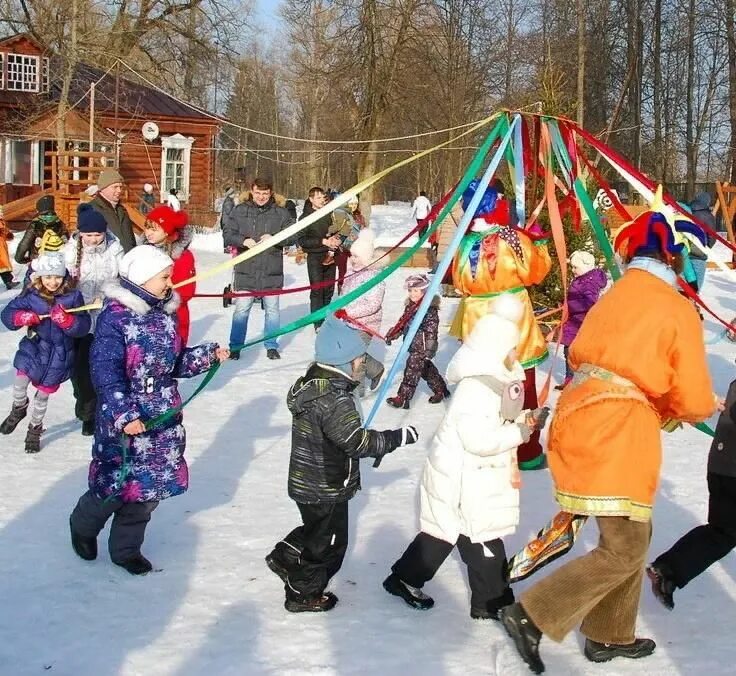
700,207
425,339
583,293
722,458
328,438
310,239
247,220
28,246
46,353
135,359
118,221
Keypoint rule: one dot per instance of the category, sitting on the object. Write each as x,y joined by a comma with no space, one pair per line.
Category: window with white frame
176,154
45,78
2,70
22,73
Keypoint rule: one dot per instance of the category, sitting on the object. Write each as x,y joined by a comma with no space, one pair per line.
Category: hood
701,202
319,381
137,299
278,200
176,248
467,363
594,278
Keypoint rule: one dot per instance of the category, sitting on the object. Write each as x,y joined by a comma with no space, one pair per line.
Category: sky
267,13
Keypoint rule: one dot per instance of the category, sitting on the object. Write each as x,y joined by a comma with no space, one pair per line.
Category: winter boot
277,567
492,608
33,438
272,353
414,597
439,396
17,413
88,428
85,548
397,402
603,652
318,604
234,355
662,586
136,564
525,634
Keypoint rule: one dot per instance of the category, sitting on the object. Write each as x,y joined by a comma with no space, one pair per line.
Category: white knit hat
49,264
143,263
147,187
583,260
363,248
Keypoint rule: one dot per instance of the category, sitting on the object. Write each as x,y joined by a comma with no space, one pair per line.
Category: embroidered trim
604,506
493,294
536,361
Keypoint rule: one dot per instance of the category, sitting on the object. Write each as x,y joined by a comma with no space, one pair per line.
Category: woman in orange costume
495,259
639,360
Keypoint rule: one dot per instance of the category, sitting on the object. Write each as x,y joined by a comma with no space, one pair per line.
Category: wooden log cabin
103,128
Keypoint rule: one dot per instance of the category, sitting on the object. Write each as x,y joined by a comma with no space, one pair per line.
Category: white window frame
2,70
26,58
177,142
45,75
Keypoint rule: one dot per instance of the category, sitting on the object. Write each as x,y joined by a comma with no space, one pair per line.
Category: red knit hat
168,220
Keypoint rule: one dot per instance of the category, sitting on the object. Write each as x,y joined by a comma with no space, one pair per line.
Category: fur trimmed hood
245,196
137,299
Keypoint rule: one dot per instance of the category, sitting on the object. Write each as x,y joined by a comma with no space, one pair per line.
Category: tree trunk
731,36
659,150
690,156
581,62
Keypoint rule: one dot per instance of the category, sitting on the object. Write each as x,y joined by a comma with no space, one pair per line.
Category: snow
213,607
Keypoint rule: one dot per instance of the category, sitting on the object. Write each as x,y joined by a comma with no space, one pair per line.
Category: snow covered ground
214,608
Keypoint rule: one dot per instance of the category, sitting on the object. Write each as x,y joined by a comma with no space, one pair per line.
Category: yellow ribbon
339,201
81,308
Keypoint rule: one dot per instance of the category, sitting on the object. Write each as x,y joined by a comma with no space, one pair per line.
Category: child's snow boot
88,428
316,604
397,402
413,596
136,564
439,396
33,438
662,586
604,652
17,413
85,548
525,634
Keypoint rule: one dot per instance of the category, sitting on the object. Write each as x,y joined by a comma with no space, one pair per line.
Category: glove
26,318
61,317
405,436
341,314
540,416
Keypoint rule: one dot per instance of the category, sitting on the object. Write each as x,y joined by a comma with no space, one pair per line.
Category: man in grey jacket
258,216
107,202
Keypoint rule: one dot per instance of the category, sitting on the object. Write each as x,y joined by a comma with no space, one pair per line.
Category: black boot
273,353
603,652
492,609
85,548
414,597
88,428
277,567
662,586
33,438
317,604
136,564
17,413
525,634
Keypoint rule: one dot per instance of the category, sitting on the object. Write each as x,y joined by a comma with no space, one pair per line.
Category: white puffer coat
98,265
469,480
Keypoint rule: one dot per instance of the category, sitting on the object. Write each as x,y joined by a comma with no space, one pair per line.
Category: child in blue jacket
45,356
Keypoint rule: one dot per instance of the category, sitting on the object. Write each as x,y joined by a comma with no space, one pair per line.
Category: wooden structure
104,129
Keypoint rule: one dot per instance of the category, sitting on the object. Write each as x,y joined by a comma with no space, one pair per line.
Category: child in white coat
469,495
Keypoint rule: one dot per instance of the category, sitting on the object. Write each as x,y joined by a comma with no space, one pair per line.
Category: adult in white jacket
93,258
469,495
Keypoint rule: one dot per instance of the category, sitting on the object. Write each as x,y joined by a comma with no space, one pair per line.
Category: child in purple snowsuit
45,356
136,357
583,293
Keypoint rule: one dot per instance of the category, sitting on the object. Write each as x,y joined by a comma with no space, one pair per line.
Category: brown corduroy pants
601,590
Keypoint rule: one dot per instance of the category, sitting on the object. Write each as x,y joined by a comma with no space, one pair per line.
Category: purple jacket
581,296
368,308
46,353
135,359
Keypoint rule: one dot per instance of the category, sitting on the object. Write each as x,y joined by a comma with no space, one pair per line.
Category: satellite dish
150,131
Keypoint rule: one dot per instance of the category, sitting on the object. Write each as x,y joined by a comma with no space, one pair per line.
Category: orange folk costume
496,259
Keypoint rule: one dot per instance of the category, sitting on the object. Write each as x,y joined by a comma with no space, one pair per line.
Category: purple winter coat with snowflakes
581,296
135,359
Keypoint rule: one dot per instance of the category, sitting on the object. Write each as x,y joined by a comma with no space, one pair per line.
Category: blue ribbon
519,186
442,268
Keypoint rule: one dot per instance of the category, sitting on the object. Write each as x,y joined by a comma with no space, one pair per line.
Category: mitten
61,317
342,314
526,431
405,436
26,318
540,416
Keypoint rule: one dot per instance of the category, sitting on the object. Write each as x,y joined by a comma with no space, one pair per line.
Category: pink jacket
368,308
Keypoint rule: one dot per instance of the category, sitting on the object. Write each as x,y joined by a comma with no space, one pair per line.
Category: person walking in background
6,266
148,200
420,209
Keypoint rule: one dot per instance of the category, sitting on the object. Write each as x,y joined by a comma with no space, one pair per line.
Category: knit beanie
417,282
168,220
45,204
147,188
49,264
584,260
363,248
108,177
50,241
143,263
90,220
337,344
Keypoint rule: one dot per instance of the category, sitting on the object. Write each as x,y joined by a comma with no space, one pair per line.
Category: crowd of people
98,308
